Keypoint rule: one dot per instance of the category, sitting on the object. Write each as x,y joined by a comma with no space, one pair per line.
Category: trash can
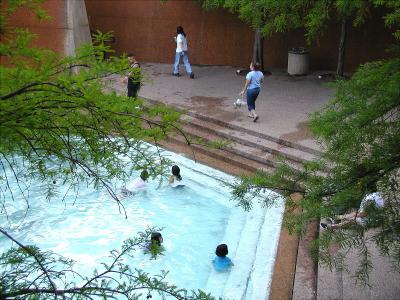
298,61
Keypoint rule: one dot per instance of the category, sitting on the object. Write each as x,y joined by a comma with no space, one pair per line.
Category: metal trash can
298,61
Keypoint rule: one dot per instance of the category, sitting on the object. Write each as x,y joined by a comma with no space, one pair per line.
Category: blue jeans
251,96
185,58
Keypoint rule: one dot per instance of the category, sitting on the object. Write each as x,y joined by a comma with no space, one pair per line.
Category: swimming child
154,246
137,184
221,261
175,179
156,238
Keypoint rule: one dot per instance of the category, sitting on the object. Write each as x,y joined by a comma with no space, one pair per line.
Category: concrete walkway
283,105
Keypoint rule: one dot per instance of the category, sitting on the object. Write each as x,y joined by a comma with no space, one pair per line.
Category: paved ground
283,106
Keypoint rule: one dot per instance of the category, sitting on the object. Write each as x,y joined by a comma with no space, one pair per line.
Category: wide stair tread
196,118
239,161
250,147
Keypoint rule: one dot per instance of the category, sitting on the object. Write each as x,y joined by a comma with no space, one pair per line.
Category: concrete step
178,143
247,149
247,143
244,131
282,142
242,149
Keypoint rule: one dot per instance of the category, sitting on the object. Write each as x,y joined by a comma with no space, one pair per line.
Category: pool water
195,219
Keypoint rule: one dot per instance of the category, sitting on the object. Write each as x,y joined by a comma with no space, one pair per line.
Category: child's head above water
222,250
157,238
144,175
176,172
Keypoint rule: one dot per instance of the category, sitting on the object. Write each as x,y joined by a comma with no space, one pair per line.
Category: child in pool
221,261
175,179
154,246
156,238
137,184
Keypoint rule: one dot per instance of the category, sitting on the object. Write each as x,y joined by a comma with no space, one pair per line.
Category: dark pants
252,95
133,87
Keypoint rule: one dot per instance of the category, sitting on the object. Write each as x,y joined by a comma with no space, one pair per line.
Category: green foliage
392,18
360,133
28,273
62,123
9,7
271,16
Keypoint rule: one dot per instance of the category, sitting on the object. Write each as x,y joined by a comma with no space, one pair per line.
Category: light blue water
195,219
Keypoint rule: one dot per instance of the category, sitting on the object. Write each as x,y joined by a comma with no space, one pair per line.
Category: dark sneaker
191,75
176,74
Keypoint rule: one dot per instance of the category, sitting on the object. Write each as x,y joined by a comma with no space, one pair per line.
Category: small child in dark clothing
156,238
221,261
134,76
154,247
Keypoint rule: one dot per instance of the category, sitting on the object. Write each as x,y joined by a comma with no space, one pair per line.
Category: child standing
221,261
134,76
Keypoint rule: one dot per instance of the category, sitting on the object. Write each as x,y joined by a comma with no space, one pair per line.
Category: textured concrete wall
50,34
146,27
77,25
66,30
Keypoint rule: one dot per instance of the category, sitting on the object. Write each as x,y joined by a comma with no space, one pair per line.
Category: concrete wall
146,27
50,33
66,30
77,25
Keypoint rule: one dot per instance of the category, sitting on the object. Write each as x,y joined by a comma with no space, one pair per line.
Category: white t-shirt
181,39
177,183
136,184
375,198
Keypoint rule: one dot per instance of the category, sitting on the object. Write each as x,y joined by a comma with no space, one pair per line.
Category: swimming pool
195,219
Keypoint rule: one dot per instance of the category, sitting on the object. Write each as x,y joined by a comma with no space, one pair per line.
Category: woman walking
181,52
252,88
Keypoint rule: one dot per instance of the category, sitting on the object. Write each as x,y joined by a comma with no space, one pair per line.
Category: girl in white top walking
252,88
181,52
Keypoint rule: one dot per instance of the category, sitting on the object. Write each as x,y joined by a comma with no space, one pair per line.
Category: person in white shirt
181,52
175,179
358,216
137,184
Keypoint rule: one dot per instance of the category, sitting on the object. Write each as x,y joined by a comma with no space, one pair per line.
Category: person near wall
252,88
181,52
134,76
